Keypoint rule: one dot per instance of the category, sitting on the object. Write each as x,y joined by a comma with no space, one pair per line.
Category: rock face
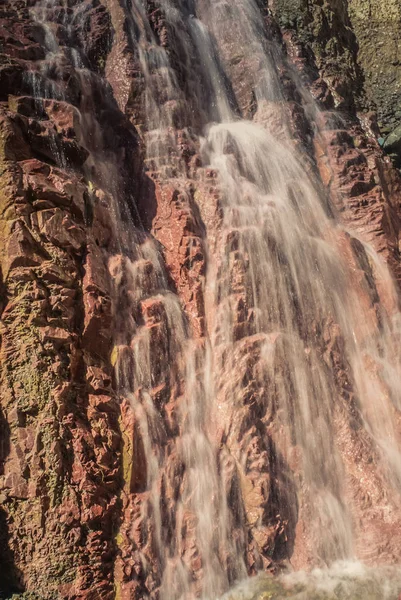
376,26
357,48
84,210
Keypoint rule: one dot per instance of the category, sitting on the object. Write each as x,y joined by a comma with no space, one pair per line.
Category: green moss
114,356
291,13
323,26
357,41
377,24
101,63
29,379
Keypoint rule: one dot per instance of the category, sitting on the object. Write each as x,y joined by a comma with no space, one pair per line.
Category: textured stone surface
60,433
323,27
356,45
377,24
75,510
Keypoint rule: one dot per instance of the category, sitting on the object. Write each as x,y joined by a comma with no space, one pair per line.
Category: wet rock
96,46
14,146
11,78
47,142
96,239
392,145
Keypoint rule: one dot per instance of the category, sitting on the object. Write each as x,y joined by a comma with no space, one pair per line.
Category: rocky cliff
75,187
356,47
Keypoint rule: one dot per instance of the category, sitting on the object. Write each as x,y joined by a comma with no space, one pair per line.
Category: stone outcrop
61,438
76,190
377,25
356,48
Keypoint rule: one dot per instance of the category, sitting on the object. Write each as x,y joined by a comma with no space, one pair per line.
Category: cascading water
298,362
277,279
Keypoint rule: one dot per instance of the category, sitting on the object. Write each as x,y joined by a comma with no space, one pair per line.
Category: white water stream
278,276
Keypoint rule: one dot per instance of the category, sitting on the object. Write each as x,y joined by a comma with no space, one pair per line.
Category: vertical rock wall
356,45
71,466
377,26
60,433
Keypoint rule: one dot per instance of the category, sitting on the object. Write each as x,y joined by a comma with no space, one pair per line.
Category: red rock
77,512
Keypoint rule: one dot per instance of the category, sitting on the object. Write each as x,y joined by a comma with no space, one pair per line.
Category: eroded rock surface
77,189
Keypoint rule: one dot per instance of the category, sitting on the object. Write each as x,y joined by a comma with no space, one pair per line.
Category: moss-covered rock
324,27
357,48
377,26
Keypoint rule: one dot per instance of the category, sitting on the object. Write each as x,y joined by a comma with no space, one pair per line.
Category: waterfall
279,275
243,444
